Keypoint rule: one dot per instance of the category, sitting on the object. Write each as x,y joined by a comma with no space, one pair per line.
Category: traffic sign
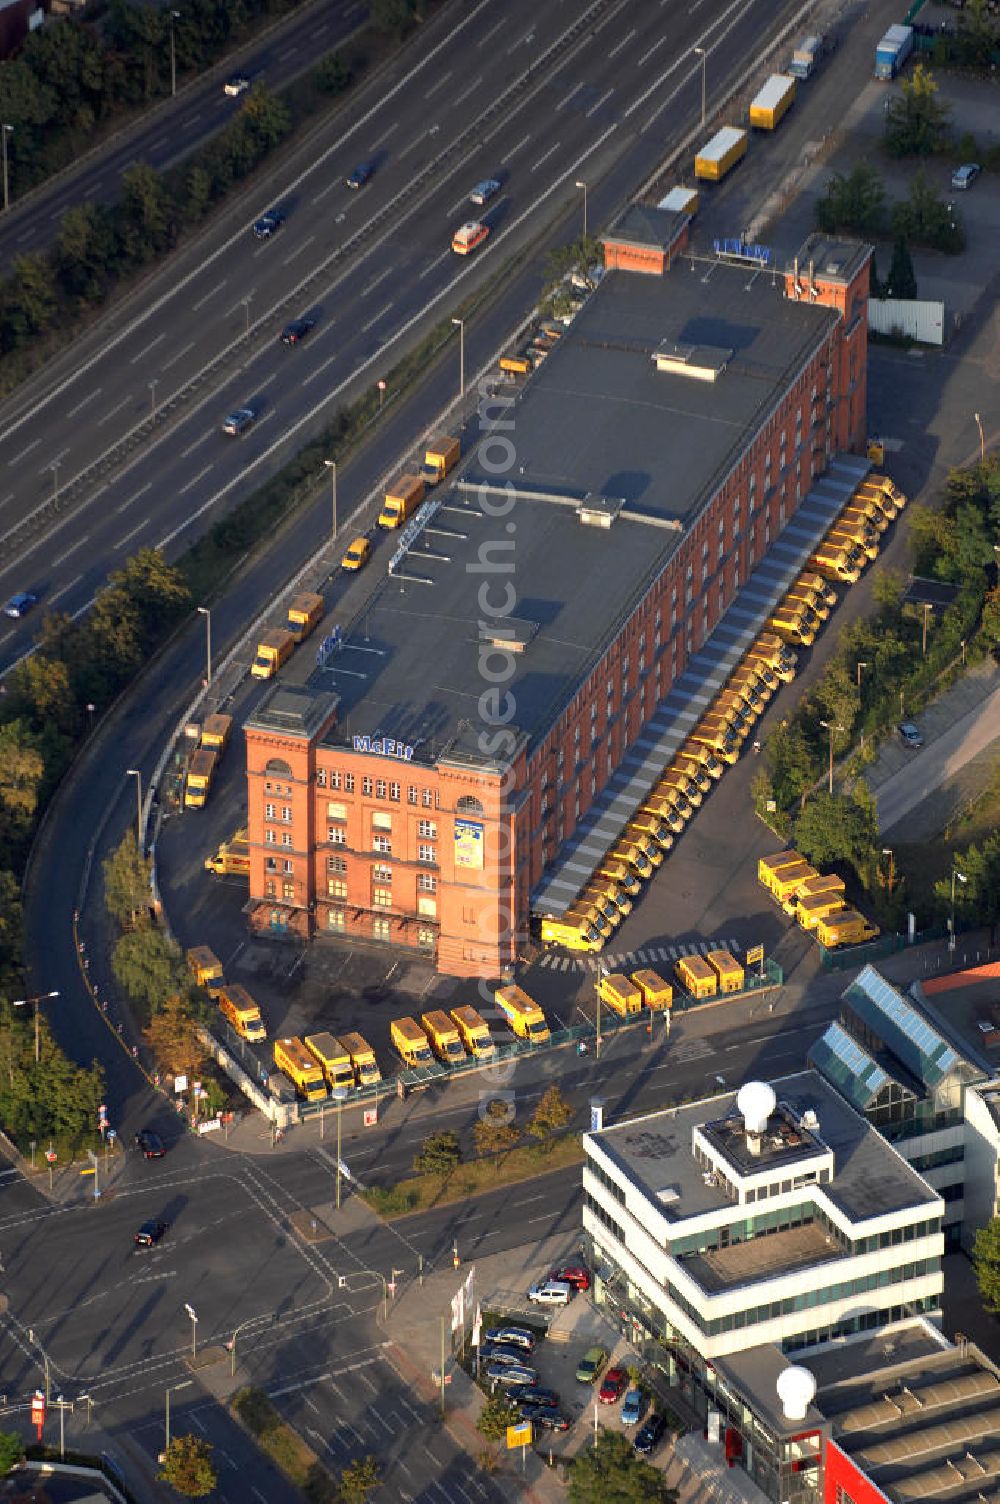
756,953
38,1411
51,1156
519,1435
371,1117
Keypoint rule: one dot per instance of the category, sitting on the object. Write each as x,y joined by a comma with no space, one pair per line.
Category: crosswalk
633,960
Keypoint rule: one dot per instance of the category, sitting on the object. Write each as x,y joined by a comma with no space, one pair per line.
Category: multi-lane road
543,101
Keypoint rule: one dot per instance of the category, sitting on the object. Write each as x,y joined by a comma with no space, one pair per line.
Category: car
511,1373
966,175
295,332
484,191
468,236
149,1234
634,1407
551,1293
649,1434
529,1397
591,1364
572,1274
150,1143
236,85
20,604
356,557
268,224
360,176
520,1336
493,1352
545,1416
239,421
613,1387
910,735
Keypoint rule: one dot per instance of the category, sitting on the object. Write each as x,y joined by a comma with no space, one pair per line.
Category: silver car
965,176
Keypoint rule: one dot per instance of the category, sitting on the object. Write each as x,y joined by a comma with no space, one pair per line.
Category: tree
39,689
11,931
977,41
187,1467
793,762
127,875
838,828
576,259
358,1481
85,252
991,615
924,219
172,1035
393,17
986,1262
492,1133
853,201
552,1114
147,964
916,120
29,298
439,1153
11,1452
610,1472
156,589
144,215
497,1414
902,281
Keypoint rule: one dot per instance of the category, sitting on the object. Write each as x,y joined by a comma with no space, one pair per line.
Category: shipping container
680,201
697,977
620,993
656,993
727,147
773,101
728,970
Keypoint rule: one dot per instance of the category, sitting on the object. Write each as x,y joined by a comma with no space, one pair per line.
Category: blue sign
328,646
383,747
761,254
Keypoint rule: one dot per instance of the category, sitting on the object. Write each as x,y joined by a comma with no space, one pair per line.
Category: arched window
469,805
278,767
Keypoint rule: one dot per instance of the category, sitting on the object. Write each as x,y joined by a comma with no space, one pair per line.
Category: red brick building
420,783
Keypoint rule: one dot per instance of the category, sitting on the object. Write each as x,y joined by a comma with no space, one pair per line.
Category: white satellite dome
756,1101
796,1388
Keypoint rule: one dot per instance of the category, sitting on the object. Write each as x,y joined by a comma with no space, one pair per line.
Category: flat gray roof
597,419
870,1179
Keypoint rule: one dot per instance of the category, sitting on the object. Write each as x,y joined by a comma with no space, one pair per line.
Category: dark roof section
936,593
292,710
833,259
642,224
902,1028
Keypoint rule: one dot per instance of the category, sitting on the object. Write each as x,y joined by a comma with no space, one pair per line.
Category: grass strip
282,1443
419,1193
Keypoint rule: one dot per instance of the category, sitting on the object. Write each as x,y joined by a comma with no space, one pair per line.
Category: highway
374,269
175,127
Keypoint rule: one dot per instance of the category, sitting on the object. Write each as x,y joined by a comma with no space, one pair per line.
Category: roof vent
810,1120
699,362
796,1388
669,1196
599,511
511,634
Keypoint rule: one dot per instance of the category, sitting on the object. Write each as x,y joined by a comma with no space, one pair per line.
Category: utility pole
331,465
5,131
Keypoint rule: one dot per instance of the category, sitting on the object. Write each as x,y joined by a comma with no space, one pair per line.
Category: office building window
336,864
321,778
270,888
288,891
427,828
381,873
336,810
348,783
366,785
334,780
269,837
268,811
382,844
286,838
427,853
427,882
336,919
412,794
336,887
286,813
336,835
428,798
381,927
381,821
394,792
381,788
381,898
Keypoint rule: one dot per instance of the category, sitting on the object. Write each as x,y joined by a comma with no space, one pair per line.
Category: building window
425,937
336,864
321,778
381,821
335,780
381,788
288,865
427,828
381,873
428,799
381,898
269,837
427,882
286,813
336,887
268,811
366,785
336,835
412,794
470,805
336,810
427,854
270,888
382,844
381,927
427,906
394,792
335,919
286,838
288,890
348,783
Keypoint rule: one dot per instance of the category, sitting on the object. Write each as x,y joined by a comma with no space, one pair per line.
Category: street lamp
833,728
460,326
232,1345
581,184
860,666
887,851
172,1389
194,1330
331,465
45,1360
602,972
246,307
27,1002
152,398
174,15
54,467
338,1094
982,439
927,608
137,775
702,52
206,612
5,131
959,877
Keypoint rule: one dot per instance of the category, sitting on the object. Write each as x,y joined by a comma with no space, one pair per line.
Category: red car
614,1384
573,1274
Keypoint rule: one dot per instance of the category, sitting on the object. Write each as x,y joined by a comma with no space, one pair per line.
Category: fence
913,318
859,955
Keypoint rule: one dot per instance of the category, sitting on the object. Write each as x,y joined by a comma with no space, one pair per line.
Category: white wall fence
908,316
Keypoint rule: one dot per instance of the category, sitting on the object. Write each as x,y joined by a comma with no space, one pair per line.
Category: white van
553,1292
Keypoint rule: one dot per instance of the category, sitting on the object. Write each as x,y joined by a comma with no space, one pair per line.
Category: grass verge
285,1447
420,1192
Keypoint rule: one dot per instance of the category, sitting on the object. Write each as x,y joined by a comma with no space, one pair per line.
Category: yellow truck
515,365
823,589
441,455
846,928
777,655
301,1067
305,612
232,857
811,597
572,932
870,507
275,647
630,852
206,968
523,1015
837,561
751,688
716,732
590,919
705,758
751,664
787,880
811,907
239,1009
769,866
656,832
366,1071
334,1059
768,108
442,1036
826,882
736,710
401,501
697,774
795,622
620,993
656,993
594,902
696,976
889,496
603,888
727,147
686,786
857,530
410,1042
727,969
474,1032
667,807
201,771
215,732
622,875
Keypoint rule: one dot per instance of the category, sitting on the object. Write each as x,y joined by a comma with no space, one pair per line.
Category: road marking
470,90
385,135
572,93
143,353
193,120
380,278
19,457
382,1422
175,358
288,52
324,191
108,416
381,313
208,296
299,249
142,492
74,410
71,550
257,1494
647,55
491,33
623,43
311,1403
319,370
65,588
595,107
436,262
137,529
439,85
514,151
192,447
412,146
200,476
